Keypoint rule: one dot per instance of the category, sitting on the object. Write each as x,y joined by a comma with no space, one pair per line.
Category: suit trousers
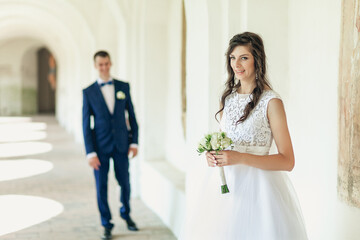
121,169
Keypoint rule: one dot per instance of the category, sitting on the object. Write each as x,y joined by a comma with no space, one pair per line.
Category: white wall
161,138
154,81
29,78
197,78
314,43
10,79
174,137
275,36
15,61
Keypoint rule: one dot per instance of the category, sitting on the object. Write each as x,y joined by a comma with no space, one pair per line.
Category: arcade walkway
47,188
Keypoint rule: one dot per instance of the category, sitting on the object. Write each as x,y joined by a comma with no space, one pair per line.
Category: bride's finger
211,164
211,159
215,153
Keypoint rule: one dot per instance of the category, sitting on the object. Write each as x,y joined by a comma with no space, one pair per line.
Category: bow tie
106,83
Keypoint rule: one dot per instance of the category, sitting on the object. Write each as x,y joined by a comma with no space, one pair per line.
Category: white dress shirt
108,92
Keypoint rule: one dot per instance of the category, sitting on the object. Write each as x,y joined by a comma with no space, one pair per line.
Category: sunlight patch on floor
15,169
23,149
21,130
15,119
27,126
12,136
20,211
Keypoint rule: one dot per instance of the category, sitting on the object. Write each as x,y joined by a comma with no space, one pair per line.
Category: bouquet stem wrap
224,187
217,141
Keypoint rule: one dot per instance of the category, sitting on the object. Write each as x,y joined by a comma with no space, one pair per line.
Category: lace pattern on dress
255,130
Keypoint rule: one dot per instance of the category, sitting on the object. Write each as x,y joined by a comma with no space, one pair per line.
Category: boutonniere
120,95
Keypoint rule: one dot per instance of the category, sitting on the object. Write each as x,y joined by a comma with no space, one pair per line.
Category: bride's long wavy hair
256,48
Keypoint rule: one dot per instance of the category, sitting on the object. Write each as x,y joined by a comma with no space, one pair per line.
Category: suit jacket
110,130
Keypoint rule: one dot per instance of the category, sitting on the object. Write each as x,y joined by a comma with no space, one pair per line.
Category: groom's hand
94,162
132,152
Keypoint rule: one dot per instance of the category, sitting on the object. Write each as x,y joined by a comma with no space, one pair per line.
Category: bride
262,204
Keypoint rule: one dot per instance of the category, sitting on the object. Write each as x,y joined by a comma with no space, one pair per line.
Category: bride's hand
210,159
226,158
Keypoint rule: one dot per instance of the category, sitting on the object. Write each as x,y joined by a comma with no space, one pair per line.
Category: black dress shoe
107,234
131,225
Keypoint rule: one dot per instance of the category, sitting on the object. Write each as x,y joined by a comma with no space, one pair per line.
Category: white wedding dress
261,205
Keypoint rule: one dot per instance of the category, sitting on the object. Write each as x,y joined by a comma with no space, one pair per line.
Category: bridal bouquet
217,141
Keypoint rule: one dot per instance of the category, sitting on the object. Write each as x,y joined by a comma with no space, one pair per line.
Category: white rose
225,143
215,143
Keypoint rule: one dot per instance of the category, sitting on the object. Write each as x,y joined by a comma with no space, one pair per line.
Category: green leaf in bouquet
200,150
208,137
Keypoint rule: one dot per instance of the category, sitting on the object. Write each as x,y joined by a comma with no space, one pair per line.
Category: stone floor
71,184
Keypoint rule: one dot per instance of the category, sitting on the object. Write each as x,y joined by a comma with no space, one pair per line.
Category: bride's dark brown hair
256,48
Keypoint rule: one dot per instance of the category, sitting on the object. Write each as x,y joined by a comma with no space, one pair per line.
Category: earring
256,77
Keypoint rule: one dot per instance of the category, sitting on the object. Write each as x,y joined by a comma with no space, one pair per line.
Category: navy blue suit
110,138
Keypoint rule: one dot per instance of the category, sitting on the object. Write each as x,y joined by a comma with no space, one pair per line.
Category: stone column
349,99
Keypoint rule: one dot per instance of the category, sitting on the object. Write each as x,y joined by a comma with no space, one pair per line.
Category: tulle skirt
261,205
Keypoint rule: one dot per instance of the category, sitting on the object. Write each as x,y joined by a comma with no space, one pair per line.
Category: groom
109,136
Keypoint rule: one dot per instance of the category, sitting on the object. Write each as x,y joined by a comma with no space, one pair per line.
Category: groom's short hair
101,54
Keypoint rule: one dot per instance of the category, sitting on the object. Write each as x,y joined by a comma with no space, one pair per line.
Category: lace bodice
255,130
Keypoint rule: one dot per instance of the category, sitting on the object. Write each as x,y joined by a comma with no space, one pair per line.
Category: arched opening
46,82
28,77
72,51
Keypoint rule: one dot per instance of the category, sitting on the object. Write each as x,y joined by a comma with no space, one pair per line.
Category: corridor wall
145,37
